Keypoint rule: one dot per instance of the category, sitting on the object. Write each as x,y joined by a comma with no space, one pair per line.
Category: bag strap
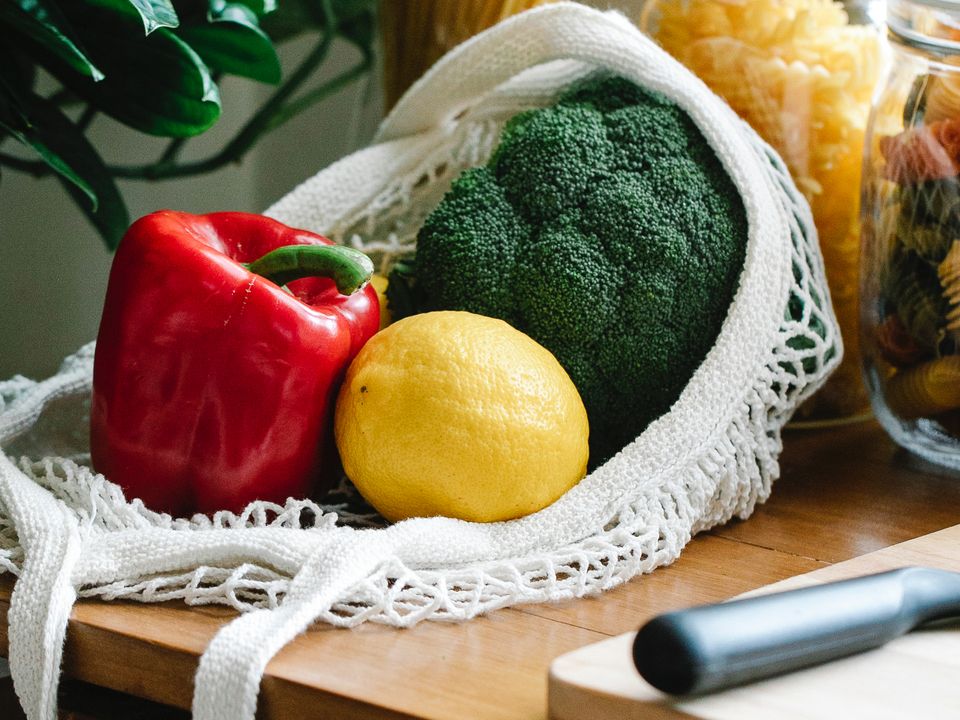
566,30
228,680
43,595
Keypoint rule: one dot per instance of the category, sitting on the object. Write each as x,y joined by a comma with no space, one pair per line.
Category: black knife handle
711,647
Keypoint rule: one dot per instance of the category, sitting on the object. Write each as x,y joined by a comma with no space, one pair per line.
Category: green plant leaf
31,139
59,165
155,14
65,149
156,84
231,40
166,89
43,23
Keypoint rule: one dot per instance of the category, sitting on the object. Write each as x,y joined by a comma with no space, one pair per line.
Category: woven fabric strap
43,596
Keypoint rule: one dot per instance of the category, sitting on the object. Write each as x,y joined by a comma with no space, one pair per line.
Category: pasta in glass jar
911,242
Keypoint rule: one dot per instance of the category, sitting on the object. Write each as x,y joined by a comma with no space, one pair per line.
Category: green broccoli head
606,229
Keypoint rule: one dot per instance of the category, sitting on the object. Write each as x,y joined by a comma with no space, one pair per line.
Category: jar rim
939,4
918,23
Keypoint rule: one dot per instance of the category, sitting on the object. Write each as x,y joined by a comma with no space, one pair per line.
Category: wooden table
842,493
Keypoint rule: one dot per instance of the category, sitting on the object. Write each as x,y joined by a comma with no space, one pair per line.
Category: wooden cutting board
916,676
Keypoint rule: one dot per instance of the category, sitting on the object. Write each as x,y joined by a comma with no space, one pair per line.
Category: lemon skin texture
459,415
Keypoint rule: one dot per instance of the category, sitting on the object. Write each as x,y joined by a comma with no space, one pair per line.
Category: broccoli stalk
606,229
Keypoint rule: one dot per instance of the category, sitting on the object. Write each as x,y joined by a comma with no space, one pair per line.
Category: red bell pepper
212,384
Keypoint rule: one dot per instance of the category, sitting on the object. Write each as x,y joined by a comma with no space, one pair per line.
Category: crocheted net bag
68,532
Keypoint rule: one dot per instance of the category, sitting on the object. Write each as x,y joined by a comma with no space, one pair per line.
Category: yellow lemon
456,414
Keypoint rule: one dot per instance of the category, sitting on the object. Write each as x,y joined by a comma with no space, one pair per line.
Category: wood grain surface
914,676
843,492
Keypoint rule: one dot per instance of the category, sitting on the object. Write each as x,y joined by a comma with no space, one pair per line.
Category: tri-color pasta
927,389
925,152
935,202
917,237
910,285
949,273
929,242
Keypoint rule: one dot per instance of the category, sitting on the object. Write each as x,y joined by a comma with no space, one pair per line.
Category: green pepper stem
350,269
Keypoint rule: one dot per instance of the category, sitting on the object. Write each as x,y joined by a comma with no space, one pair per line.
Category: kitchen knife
713,647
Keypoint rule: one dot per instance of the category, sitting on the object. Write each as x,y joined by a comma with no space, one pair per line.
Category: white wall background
53,266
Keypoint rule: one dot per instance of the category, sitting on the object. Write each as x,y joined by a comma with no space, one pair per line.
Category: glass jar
910,279
802,73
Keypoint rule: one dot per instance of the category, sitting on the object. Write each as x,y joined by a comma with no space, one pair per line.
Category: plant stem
172,151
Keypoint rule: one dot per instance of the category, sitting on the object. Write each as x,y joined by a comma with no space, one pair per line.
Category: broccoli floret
606,229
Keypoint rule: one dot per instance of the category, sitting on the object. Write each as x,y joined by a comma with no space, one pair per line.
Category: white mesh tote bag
68,532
